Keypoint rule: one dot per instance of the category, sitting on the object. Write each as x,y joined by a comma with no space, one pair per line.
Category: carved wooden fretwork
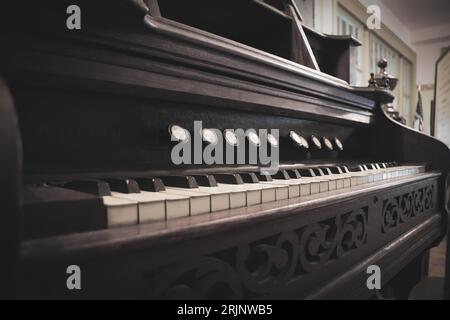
291,256
403,208
265,265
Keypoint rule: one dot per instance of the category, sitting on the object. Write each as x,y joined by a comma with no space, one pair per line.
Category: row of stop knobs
231,137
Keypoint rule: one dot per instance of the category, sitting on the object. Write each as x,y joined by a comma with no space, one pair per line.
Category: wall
391,21
428,44
427,56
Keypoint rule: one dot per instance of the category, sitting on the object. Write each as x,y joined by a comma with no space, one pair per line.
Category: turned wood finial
382,79
382,64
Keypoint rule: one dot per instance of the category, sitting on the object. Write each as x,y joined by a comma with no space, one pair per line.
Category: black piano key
150,184
95,187
207,180
186,182
336,170
366,168
345,169
307,172
357,168
249,177
393,164
318,172
52,211
229,178
123,185
326,171
294,174
282,175
264,177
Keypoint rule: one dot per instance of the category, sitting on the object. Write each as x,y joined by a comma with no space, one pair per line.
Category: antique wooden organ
88,121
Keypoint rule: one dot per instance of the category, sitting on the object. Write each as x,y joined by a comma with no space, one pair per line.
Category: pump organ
98,111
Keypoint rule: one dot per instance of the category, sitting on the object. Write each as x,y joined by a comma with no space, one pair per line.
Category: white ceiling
415,14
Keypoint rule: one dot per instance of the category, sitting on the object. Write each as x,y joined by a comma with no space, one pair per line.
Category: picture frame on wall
440,118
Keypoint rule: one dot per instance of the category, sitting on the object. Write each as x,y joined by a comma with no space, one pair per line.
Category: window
400,68
380,50
347,25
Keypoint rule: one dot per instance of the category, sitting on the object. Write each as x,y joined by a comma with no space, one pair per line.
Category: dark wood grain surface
97,103
10,188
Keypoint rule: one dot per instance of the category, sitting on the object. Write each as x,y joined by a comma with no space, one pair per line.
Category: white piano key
339,183
293,186
254,197
268,195
255,193
332,184
268,191
238,195
347,183
315,187
364,179
176,206
220,199
328,182
238,200
324,186
294,191
281,191
311,185
152,205
354,180
199,203
121,212
305,189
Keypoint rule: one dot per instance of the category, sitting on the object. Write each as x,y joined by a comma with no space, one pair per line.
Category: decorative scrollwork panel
260,267
406,207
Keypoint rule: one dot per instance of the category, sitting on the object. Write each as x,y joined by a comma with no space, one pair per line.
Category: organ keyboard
136,200
100,110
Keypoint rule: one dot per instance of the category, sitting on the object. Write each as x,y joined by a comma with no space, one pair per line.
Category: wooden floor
437,260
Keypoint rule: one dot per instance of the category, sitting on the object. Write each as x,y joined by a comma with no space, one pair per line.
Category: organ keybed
90,119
